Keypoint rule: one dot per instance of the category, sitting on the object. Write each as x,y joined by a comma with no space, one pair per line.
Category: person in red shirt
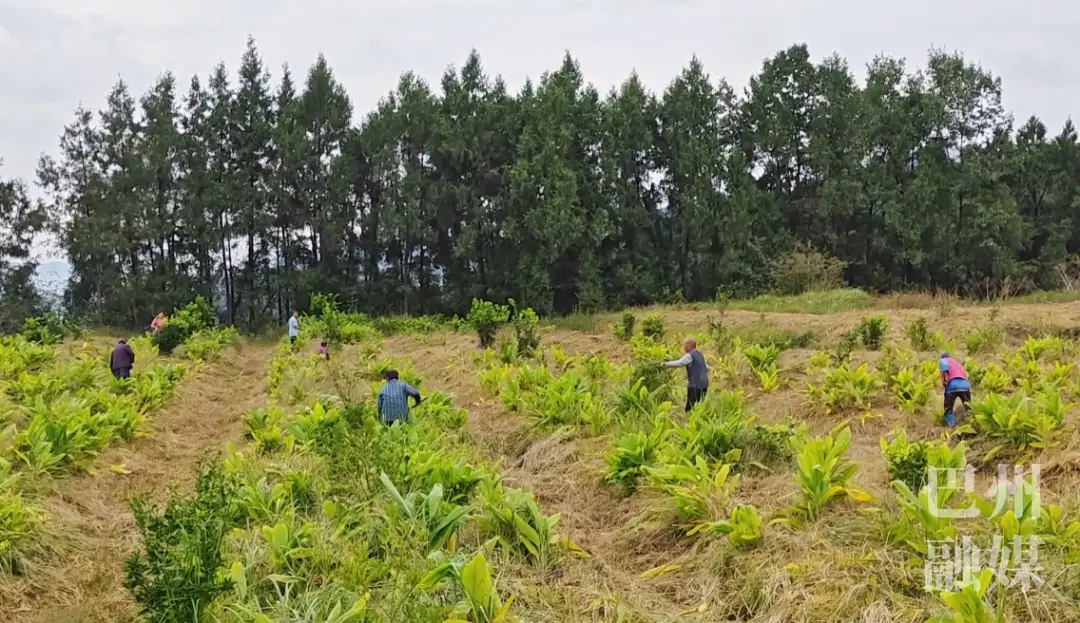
954,380
323,351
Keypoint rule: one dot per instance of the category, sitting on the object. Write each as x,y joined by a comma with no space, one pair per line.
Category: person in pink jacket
955,381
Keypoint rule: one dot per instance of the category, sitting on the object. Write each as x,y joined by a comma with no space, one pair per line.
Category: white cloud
59,53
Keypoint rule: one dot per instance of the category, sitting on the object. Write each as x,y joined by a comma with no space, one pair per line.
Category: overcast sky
55,54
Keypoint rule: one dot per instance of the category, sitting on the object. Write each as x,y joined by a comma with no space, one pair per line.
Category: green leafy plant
486,318
624,329
844,388
19,521
762,360
968,605
920,337
174,578
692,492
527,332
653,327
515,519
630,454
871,331
196,316
824,474
906,461
481,603
912,388
1021,420
984,340
743,529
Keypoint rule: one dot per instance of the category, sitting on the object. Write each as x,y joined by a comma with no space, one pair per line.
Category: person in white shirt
294,327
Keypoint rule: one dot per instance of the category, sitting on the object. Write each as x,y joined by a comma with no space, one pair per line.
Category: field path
80,579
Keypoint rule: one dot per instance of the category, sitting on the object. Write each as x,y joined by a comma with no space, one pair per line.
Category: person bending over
392,403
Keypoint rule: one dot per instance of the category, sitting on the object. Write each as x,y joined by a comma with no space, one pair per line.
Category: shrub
49,329
196,316
984,340
486,318
653,327
920,337
174,578
527,332
871,331
624,330
806,270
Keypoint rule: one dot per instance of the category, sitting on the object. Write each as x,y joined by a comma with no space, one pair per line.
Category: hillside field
563,484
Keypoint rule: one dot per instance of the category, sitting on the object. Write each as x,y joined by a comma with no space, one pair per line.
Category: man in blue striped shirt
393,398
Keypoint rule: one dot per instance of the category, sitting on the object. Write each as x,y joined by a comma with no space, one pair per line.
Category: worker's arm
412,391
681,362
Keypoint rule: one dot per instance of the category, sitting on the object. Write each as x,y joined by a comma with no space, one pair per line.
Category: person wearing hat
955,381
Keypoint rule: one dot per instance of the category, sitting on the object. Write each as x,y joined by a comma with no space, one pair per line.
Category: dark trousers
950,400
292,339
122,373
694,396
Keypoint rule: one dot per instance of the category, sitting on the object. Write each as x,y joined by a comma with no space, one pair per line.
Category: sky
56,54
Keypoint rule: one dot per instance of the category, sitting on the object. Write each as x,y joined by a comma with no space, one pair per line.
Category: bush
624,330
196,316
49,329
653,327
984,340
806,270
486,318
527,332
871,331
920,337
175,578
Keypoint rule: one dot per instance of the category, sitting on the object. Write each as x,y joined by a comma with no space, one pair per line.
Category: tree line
255,194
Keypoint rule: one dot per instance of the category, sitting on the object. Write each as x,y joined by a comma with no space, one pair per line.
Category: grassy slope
836,570
78,578
833,571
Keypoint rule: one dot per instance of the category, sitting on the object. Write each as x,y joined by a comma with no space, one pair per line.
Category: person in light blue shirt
294,327
393,401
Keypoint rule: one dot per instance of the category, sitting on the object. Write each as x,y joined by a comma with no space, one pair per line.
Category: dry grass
838,569
80,577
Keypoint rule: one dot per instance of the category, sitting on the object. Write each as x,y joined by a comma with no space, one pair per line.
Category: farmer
393,398
158,322
697,373
294,327
323,351
954,380
121,360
